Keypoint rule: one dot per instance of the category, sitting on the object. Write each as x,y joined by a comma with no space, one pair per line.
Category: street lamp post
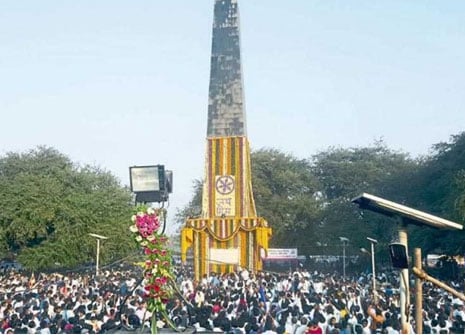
98,237
373,268
344,241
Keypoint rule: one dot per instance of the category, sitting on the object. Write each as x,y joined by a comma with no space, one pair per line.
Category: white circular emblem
225,184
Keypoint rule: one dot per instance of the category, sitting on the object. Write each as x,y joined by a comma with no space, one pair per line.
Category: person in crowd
314,328
300,301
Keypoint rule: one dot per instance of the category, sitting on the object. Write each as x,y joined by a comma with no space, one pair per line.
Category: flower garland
157,266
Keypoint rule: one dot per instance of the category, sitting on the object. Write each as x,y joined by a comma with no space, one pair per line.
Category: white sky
119,83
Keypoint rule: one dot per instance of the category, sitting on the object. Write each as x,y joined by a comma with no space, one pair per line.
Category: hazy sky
120,83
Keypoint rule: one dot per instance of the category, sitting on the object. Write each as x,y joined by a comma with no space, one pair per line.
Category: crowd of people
297,302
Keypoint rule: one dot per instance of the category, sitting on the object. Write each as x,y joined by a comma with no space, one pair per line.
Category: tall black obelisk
228,233
226,114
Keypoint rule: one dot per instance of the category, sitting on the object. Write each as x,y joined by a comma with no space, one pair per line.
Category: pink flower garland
147,224
157,265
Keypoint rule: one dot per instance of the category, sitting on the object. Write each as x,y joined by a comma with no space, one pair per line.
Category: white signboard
226,256
282,253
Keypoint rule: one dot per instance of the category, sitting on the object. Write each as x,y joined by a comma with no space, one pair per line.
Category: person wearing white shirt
366,327
318,286
199,298
245,275
302,327
291,324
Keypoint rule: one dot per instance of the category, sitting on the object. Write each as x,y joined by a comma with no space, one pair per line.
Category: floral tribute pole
158,272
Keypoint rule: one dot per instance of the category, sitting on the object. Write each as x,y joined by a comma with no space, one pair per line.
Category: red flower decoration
157,265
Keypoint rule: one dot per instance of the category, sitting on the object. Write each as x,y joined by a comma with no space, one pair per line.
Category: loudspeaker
399,256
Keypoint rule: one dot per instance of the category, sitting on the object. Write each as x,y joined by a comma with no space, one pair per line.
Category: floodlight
151,183
408,215
150,178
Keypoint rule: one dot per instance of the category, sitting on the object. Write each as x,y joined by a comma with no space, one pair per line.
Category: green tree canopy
286,195
49,205
439,188
345,173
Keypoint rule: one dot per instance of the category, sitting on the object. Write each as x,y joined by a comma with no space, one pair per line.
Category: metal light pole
98,237
404,284
399,251
418,294
373,268
344,241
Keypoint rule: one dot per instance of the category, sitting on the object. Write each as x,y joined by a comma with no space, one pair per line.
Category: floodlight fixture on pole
150,183
407,215
98,237
403,215
344,241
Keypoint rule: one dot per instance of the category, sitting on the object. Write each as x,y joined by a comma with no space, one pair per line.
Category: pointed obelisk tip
226,115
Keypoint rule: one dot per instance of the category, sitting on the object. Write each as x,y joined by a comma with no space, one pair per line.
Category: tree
49,205
286,195
345,173
439,189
